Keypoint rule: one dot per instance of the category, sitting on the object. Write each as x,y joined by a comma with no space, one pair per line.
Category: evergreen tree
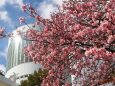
35,79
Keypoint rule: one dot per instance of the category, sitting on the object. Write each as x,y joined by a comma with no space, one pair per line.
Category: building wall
22,71
18,65
15,47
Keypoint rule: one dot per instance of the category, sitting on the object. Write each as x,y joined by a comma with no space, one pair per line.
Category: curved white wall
22,70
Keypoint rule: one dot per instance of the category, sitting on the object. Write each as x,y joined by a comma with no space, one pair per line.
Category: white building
19,66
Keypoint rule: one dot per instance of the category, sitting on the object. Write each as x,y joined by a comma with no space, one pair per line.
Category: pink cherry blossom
24,7
2,32
78,40
22,19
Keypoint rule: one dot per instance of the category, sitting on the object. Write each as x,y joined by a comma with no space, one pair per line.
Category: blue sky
10,11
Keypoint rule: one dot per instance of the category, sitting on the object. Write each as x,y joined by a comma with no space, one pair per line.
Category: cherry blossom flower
78,40
22,20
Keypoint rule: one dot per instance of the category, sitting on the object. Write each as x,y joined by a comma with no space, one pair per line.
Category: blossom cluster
2,32
78,40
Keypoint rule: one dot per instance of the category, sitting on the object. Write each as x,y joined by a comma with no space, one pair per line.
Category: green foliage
35,79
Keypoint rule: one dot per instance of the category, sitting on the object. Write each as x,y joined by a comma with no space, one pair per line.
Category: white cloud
4,53
16,3
2,3
5,17
46,7
57,2
2,67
